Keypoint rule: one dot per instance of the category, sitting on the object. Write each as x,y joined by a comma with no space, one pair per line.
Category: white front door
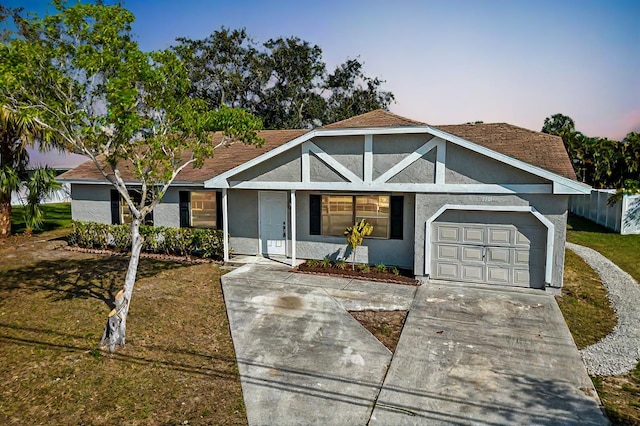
273,222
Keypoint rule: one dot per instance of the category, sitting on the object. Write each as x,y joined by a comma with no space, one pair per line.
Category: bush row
206,243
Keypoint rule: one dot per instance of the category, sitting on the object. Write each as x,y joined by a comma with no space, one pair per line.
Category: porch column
225,225
293,227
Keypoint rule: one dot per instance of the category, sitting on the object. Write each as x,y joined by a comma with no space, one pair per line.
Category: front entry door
273,223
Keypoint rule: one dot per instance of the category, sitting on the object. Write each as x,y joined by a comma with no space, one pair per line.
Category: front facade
450,202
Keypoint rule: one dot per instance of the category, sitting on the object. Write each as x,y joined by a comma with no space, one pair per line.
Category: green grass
588,314
584,303
623,250
56,216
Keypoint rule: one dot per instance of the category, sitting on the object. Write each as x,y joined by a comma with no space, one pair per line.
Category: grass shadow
99,278
580,224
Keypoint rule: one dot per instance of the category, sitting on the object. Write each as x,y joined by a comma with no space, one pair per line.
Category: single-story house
480,203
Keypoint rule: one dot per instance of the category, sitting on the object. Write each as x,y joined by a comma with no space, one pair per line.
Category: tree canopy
80,75
283,81
600,162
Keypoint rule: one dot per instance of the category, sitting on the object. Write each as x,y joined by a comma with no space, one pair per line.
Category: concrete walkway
467,355
486,355
302,358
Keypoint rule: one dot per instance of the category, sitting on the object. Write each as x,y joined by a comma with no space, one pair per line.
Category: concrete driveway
467,355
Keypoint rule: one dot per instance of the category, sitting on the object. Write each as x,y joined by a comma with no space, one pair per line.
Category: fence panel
623,216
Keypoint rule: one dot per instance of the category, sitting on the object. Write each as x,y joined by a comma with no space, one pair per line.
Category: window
342,211
198,209
203,209
337,214
375,210
120,212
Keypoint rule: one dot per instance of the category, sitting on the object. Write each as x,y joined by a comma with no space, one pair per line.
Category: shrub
207,243
341,264
395,271
312,263
381,268
364,268
326,262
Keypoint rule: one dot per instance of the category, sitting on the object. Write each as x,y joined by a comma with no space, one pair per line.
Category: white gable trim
561,184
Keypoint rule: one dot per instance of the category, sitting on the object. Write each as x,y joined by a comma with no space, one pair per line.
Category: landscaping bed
380,273
386,326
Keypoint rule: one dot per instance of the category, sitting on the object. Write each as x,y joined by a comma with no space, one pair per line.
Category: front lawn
588,313
56,216
623,250
178,364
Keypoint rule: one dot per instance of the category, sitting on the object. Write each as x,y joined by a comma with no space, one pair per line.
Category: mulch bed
386,326
372,275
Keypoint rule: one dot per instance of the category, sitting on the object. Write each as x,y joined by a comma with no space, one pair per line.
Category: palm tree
17,133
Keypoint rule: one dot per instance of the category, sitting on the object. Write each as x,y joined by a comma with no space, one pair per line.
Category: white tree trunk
116,328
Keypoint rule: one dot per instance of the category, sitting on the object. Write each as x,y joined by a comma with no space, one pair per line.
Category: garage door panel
500,236
498,255
449,233
450,271
521,277
521,257
447,252
472,272
473,235
497,274
472,253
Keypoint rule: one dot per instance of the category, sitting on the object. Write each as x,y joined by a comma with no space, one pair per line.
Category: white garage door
484,253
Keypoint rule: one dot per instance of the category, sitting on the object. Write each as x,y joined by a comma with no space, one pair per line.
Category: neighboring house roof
538,149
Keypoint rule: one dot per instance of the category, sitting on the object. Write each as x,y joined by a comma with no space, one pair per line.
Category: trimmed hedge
206,243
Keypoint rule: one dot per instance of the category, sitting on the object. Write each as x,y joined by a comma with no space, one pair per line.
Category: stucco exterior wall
91,203
167,212
243,221
467,167
553,207
373,251
347,150
389,150
285,167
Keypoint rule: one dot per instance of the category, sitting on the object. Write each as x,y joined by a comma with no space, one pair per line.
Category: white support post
306,171
441,156
225,224
368,158
293,228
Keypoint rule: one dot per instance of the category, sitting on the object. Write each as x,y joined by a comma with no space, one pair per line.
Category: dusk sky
448,62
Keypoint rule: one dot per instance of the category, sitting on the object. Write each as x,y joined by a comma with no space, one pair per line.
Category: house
481,203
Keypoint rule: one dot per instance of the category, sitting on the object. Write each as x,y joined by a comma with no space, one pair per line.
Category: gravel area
619,352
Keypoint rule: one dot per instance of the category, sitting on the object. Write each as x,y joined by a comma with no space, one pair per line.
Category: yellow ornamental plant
355,236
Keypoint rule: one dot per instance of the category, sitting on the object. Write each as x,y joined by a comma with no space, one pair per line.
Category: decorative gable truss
386,160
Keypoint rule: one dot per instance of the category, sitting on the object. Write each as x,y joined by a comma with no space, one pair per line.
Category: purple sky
449,62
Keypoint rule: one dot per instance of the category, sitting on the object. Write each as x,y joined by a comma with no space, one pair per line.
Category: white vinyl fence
622,217
62,195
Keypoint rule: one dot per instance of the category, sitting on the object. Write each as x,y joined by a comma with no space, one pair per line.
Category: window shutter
115,207
397,206
185,208
315,214
219,210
